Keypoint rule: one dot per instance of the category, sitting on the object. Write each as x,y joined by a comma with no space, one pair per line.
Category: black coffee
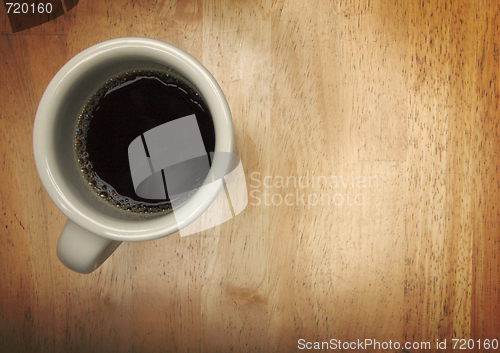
119,111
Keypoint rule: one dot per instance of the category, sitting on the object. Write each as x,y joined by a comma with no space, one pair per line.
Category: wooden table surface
388,115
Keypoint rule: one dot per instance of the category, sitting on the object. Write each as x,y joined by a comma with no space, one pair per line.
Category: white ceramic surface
96,228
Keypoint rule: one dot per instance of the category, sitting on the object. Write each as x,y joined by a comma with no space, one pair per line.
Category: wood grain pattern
396,102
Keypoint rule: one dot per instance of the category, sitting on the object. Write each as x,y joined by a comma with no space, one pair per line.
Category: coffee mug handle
81,250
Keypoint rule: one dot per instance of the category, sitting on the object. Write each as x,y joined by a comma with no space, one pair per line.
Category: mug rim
47,165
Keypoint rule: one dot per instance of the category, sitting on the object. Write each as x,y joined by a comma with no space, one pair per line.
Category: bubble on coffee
122,108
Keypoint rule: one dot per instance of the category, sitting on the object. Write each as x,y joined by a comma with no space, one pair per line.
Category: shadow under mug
94,229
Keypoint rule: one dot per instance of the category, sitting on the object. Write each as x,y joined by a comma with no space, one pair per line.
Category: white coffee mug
94,229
